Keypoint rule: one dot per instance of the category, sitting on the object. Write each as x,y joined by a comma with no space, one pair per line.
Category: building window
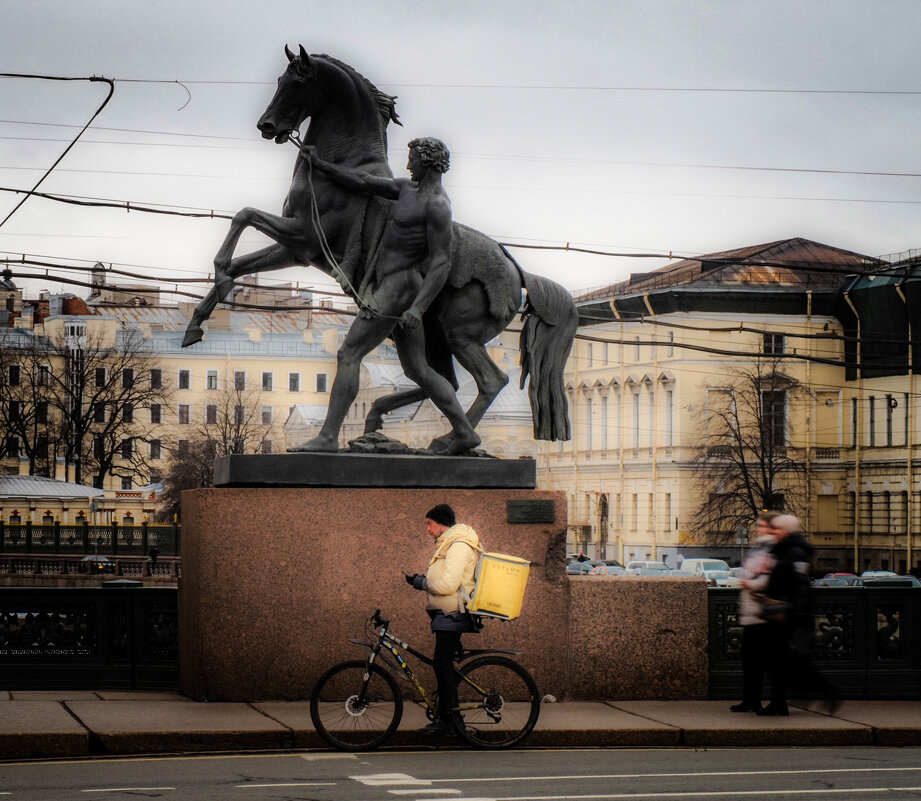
636,348
266,415
44,375
588,424
854,430
871,421
99,376
99,413
239,380
669,418
155,449
636,420
183,379
590,353
650,511
15,411
41,412
155,413
891,403
774,405
294,382
182,447
773,344
670,349
13,374
126,485
211,415
128,413
184,414
127,448
211,379
127,378
667,502
634,511
267,379
99,448
604,422
239,415
12,447
321,382
266,446
156,379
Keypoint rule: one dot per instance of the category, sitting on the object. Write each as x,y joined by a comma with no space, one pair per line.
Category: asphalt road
463,775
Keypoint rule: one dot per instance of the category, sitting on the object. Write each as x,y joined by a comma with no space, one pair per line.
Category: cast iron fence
82,538
89,638
867,641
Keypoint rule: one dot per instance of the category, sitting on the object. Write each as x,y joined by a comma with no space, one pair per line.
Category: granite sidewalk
61,724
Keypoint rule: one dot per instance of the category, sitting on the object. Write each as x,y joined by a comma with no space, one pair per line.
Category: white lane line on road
673,775
288,784
777,792
385,779
124,789
320,757
420,791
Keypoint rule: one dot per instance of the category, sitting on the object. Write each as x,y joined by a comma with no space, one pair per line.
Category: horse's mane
386,104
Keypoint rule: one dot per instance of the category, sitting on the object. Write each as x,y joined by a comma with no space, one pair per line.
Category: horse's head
294,99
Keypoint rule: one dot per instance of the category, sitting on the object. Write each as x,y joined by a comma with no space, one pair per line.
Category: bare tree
745,463
94,393
232,423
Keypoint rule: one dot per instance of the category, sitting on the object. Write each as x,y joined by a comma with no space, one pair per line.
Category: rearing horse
338,231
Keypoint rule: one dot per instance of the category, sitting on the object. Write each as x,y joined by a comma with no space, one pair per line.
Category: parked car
608,570
612,562
890,581
637,565
582,568
877,574
836,581
715,571
682,574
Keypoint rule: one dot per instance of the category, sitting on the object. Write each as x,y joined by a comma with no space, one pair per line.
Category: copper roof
797,262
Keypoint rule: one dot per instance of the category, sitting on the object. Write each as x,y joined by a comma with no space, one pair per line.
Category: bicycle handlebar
377,620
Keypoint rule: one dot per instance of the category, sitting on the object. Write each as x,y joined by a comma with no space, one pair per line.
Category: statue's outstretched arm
353,180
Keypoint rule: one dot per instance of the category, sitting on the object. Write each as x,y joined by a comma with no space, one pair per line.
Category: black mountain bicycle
357,705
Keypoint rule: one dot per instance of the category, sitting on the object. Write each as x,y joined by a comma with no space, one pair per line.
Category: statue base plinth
346,469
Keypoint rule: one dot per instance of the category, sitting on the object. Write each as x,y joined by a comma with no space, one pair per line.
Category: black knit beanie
442,514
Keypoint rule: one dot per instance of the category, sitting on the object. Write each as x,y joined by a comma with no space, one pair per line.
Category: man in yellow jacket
449,576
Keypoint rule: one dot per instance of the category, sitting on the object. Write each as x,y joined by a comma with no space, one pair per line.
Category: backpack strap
464,597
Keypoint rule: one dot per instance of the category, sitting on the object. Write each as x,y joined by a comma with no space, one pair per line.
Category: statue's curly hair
434,153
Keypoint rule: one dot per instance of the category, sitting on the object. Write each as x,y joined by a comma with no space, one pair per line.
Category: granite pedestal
274,581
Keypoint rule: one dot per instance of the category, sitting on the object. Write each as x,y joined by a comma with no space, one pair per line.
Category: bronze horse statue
338,231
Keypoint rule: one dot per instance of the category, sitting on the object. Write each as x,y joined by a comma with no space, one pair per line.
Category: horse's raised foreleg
274,257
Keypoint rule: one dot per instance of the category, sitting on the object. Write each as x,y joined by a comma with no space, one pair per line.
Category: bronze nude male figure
412,265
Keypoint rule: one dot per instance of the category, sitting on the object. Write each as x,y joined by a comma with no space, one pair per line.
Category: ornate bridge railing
868,641
101,637
110,540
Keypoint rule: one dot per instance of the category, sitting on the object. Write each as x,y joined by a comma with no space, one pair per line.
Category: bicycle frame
392,644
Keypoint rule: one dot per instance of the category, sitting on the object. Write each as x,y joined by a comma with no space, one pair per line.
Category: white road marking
424,792
702,794
289,784
124,789
385,779
670,775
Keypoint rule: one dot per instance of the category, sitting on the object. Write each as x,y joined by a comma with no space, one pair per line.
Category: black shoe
743,707
438,729
773,711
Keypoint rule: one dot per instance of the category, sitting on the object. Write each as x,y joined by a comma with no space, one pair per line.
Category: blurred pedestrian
756,568
790,626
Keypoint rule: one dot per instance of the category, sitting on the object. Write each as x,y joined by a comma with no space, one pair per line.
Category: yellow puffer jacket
452,568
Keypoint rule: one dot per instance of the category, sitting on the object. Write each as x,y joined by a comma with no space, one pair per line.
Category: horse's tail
550,322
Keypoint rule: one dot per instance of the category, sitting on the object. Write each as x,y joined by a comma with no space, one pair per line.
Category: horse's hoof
193,334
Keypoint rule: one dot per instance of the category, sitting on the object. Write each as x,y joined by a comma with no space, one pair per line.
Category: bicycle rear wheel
352,713
497,703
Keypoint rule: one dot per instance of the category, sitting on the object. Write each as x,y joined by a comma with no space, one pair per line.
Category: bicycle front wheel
497,702
354,708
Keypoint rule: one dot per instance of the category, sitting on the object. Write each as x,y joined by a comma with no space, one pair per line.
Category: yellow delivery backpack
500,583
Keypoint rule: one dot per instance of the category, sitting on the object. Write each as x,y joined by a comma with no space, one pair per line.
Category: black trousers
790,664
446,646
755,655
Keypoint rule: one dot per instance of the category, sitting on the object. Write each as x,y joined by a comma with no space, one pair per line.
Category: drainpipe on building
909,433
847,298
653,439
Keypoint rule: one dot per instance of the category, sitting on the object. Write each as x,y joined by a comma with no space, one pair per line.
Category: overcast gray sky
567,121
